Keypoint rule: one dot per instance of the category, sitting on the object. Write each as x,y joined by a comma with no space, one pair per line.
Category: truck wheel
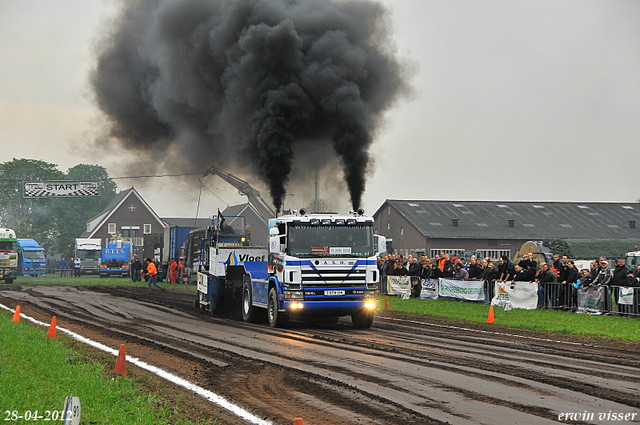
9,281
249,312
276,319
363,319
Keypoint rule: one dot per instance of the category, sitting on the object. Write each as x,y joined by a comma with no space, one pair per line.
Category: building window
147,229
451,252
402,231
494,254
112,228
388,225
388,210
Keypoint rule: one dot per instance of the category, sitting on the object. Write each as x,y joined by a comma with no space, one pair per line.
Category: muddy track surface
404,370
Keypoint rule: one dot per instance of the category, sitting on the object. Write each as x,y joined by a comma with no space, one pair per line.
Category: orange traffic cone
490,318
121,365
297,421
52,329
16,315
386,303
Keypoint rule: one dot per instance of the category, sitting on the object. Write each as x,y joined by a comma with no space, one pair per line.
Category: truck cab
318,266
31,258
89,251
8,255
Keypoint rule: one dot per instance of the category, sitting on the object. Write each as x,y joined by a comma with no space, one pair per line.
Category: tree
28,217
53,222
72,214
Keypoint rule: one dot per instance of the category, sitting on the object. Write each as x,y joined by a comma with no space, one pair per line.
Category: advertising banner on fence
61,189
625,296
429,289
469,290
591,300
399,285
518,294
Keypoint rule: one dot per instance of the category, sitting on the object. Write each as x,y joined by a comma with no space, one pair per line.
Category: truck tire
363,319
9,281
250,313
276,318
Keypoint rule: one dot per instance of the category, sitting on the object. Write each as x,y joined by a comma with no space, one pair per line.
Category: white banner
429,289
61,189
625,296
518,294
470,290
399,285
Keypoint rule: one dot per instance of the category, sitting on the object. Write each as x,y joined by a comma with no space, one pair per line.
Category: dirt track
403,370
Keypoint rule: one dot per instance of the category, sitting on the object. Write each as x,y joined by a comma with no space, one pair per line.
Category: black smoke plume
232,82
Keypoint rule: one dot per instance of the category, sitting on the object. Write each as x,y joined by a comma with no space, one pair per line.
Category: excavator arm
252,194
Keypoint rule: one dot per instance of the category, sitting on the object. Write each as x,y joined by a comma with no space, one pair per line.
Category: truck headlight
370,295
297,306
294,295
370,304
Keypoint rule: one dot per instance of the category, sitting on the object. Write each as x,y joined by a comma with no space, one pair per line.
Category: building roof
530,220
96,222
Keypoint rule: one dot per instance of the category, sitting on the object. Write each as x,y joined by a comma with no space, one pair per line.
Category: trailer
317,266
115,259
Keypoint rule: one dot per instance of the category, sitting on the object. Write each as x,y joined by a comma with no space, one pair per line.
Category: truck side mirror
274,243
381,249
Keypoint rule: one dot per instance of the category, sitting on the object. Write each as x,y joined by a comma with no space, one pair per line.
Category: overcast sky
514,100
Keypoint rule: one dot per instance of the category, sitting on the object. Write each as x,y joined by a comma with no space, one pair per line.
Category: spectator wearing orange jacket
152,271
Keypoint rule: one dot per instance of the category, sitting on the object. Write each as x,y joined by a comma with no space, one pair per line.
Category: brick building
497,228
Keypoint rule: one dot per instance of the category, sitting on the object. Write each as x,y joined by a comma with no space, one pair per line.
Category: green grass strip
37,374
561,322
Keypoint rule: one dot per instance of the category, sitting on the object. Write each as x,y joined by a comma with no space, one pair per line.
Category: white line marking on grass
212,397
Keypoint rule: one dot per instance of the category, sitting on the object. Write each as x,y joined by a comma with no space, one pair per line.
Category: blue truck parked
318,266
31,258
115,259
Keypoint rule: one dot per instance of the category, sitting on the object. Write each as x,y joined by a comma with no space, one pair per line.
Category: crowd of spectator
550,277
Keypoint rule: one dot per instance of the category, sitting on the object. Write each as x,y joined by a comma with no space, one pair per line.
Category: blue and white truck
115,259
31,258
319,266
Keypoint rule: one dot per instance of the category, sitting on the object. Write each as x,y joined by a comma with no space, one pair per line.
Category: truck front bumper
329,308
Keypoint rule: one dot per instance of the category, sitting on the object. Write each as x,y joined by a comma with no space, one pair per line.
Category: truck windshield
331,241
8,245
88,255
33,255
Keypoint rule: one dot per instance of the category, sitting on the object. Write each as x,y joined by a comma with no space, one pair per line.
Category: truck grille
342,278
7,263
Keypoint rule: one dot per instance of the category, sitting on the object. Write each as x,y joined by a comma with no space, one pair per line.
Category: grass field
561,322
38,373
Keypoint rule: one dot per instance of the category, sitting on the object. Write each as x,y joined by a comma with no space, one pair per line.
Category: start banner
469,290
61,189
518,294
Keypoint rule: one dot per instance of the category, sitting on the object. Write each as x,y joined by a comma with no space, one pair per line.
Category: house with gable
128,215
